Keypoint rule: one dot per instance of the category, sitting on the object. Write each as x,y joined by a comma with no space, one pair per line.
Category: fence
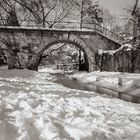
67,67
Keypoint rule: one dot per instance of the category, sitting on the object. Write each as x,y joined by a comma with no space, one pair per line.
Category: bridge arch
81,46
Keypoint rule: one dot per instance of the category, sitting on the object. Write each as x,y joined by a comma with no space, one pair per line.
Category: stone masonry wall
3,59
31,43
124,59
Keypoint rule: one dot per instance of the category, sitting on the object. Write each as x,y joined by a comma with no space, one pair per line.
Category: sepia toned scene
69,69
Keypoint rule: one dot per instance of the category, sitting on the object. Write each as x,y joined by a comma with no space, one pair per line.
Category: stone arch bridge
30,43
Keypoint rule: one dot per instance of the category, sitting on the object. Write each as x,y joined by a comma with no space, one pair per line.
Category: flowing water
75,84
71,83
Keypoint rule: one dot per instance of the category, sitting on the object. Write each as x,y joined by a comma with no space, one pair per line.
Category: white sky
116,6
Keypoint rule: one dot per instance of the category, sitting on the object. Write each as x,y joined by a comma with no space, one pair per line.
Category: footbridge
29,42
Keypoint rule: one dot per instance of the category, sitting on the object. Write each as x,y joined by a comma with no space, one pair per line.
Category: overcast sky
116,6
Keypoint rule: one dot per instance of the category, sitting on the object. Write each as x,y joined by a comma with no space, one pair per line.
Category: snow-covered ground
33,107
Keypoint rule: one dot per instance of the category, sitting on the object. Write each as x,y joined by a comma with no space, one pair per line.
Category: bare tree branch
53,50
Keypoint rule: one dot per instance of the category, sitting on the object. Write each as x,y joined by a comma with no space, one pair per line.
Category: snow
33,107
125,47
111,79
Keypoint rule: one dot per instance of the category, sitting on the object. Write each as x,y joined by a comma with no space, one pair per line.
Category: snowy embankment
123,85
108,78
32,107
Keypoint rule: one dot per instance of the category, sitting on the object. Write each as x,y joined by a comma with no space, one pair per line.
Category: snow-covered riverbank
32,107
125,86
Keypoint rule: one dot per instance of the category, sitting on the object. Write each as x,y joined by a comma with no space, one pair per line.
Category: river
75,84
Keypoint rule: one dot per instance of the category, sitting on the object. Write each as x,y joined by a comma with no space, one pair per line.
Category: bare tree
8,15
46,12
94,13
133,17
10,45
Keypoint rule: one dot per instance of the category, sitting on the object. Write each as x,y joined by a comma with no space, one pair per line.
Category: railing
67,67
69,25
104,31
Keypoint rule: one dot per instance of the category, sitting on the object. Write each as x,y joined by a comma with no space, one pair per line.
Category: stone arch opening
74,43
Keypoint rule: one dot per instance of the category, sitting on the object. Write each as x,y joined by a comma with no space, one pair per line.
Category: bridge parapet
104,31
38,39
62,25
